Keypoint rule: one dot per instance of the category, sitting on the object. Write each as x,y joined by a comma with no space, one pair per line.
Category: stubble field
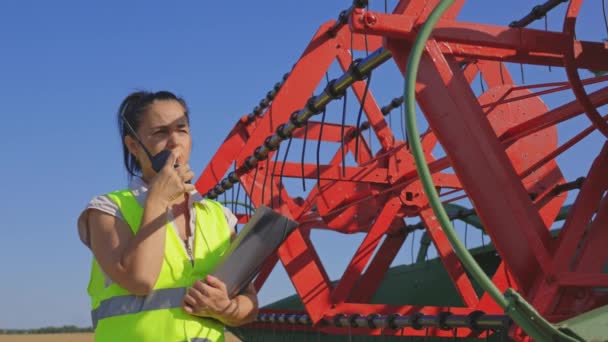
75,337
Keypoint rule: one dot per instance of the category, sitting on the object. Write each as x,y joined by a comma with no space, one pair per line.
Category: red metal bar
502,279
578,279
572,71
307,274
372,278
223,158
553,117
367,174
265,271
254,186
422,9
359,41
451,262
548,210
464,131
581,212
510,96
547,289
365,250
470,71
494,73
560,85
574,140
336,160
593,255
437,179
309,202
253,182
447,180
387,309
490,42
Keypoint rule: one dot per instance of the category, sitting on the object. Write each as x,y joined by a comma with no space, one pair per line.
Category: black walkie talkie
160,159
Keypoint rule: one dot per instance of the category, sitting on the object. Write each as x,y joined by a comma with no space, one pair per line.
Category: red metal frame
513,159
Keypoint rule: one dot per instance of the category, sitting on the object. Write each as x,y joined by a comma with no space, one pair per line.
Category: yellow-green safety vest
121,316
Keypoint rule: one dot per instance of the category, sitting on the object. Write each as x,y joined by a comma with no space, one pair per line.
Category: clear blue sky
66,65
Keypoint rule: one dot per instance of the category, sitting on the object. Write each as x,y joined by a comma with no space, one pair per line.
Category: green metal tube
532,323
416,147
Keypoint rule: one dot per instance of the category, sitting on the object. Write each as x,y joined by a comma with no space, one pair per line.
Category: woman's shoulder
101,203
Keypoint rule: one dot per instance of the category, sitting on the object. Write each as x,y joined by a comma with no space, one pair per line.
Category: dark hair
131,109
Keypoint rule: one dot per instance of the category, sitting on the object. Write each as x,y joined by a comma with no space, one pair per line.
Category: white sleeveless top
140,191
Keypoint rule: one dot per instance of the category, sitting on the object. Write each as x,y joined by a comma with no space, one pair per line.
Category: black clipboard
261,236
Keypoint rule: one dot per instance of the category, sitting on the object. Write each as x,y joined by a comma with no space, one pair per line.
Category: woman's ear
132,145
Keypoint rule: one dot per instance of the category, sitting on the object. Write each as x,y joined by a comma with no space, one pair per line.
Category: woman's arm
245,308
134,261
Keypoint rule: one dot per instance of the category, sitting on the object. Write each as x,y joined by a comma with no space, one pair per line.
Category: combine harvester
489,160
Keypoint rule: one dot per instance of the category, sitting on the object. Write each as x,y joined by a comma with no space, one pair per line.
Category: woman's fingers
189,300
197,299
188,176
207,298
182,169
179,180
189,187
194,305
197,290
185,173
215,282
204,291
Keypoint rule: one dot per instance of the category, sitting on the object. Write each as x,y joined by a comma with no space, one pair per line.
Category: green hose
514,305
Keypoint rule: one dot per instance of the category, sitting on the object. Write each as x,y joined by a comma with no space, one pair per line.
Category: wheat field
76,337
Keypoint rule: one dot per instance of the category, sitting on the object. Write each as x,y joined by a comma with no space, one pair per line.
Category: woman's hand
171,182
208,298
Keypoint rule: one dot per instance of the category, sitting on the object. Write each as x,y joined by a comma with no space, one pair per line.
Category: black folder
261,236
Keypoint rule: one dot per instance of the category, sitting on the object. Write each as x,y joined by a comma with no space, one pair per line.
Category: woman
155,243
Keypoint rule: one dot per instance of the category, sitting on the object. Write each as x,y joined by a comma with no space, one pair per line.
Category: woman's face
164,126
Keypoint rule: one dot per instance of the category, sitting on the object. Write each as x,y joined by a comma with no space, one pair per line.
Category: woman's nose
172,140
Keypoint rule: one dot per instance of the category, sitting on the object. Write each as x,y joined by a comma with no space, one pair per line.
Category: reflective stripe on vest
130,304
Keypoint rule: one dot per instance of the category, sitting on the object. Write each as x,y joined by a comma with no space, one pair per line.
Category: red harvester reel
499,156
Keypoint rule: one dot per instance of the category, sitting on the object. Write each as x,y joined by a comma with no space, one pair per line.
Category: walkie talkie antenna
159,160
